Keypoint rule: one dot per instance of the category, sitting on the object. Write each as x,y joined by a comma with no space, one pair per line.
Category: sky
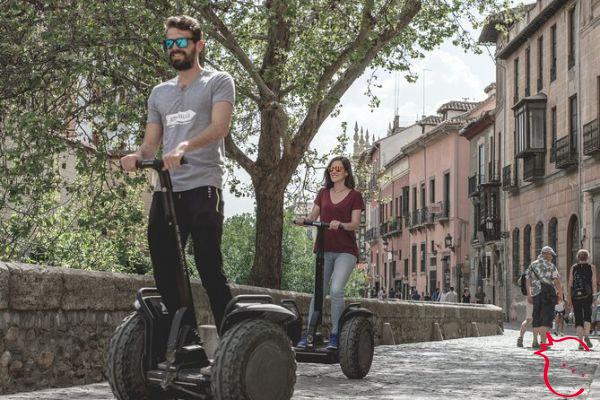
445,74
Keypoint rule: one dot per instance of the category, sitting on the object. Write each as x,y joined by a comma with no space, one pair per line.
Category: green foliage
76,76
298,257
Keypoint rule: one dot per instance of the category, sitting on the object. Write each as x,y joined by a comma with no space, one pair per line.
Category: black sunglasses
182,43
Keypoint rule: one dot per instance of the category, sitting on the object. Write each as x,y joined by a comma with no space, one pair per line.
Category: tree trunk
266,271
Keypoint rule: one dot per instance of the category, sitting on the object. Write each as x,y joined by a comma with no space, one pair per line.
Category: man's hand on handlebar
173,158
128,162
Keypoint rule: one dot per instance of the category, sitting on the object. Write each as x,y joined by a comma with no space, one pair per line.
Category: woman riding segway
339,204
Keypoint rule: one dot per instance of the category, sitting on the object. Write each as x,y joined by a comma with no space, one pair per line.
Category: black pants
199,213
583,310
543,312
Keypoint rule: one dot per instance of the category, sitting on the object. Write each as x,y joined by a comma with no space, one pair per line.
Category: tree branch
223,35
236,154
319,110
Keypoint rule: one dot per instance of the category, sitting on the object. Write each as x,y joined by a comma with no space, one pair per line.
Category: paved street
470,368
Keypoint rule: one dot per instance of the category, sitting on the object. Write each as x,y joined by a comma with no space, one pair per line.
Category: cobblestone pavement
471,368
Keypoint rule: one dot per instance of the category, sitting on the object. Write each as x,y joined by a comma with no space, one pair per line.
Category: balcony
383,229
591,138
534,167
395,226
509,179
412,219
372,234
474,185
442,211
492,178
427,217
392,227
566,152
490,228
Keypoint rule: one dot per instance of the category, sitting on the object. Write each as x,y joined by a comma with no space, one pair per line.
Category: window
553,132
405,191
447,190
553,53
539,240
527,246
423,255
481,163
572,241
572,34
423,195
530,125
432,190
527,72
516,254
414,199
516,83
399,206
540,77
552,236
432,257
406,267
573,118
414,258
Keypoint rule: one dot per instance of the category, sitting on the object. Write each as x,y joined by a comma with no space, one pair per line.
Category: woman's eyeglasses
181,42
335,168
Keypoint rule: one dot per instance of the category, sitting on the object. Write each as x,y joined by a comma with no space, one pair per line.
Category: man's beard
182,64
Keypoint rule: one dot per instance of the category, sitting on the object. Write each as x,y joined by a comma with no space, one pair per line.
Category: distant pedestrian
581,287
559,317
466,298
436,295
392,293
415,295
596,316
427,297
522,282
452,296
443,295
380,294
480,295
543,290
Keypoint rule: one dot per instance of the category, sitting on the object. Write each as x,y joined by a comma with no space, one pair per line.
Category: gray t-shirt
183,114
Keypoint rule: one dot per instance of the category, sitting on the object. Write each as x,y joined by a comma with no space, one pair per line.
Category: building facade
547,112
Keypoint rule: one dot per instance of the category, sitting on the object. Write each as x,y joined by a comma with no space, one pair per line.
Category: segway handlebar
155,163
318,224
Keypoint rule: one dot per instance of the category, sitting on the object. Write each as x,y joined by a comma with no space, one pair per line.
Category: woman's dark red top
340,240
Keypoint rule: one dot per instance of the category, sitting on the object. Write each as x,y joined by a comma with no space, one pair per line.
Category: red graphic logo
544,347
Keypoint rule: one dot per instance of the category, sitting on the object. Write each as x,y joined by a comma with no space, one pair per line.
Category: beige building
546,127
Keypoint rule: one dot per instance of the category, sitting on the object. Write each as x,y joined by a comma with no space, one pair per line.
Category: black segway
356,330
156,356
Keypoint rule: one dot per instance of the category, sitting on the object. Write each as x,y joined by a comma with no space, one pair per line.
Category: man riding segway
190,115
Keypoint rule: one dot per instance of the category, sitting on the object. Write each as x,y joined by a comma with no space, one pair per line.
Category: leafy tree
85,69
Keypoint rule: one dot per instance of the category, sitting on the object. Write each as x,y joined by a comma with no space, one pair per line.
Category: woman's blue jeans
336,270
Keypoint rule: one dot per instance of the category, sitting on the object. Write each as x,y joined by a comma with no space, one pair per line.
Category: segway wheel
254,361
356,347
124,362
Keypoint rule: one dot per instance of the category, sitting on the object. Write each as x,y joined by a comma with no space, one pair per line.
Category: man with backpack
522,282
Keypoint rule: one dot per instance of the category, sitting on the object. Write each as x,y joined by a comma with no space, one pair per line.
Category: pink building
437,217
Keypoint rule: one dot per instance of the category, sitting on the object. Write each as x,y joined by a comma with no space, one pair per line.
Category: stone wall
55,322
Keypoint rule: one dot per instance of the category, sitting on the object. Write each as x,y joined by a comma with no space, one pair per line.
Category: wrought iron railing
566,152
591,138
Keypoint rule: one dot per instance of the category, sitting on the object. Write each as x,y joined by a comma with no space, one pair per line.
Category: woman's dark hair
349,182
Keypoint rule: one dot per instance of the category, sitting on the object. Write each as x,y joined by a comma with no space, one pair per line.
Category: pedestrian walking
595,329
559,317
581,287
543,287
522,282
466,298
480,295
452,296
436,295
443,295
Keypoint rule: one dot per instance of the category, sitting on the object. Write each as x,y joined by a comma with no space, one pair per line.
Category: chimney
396,122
